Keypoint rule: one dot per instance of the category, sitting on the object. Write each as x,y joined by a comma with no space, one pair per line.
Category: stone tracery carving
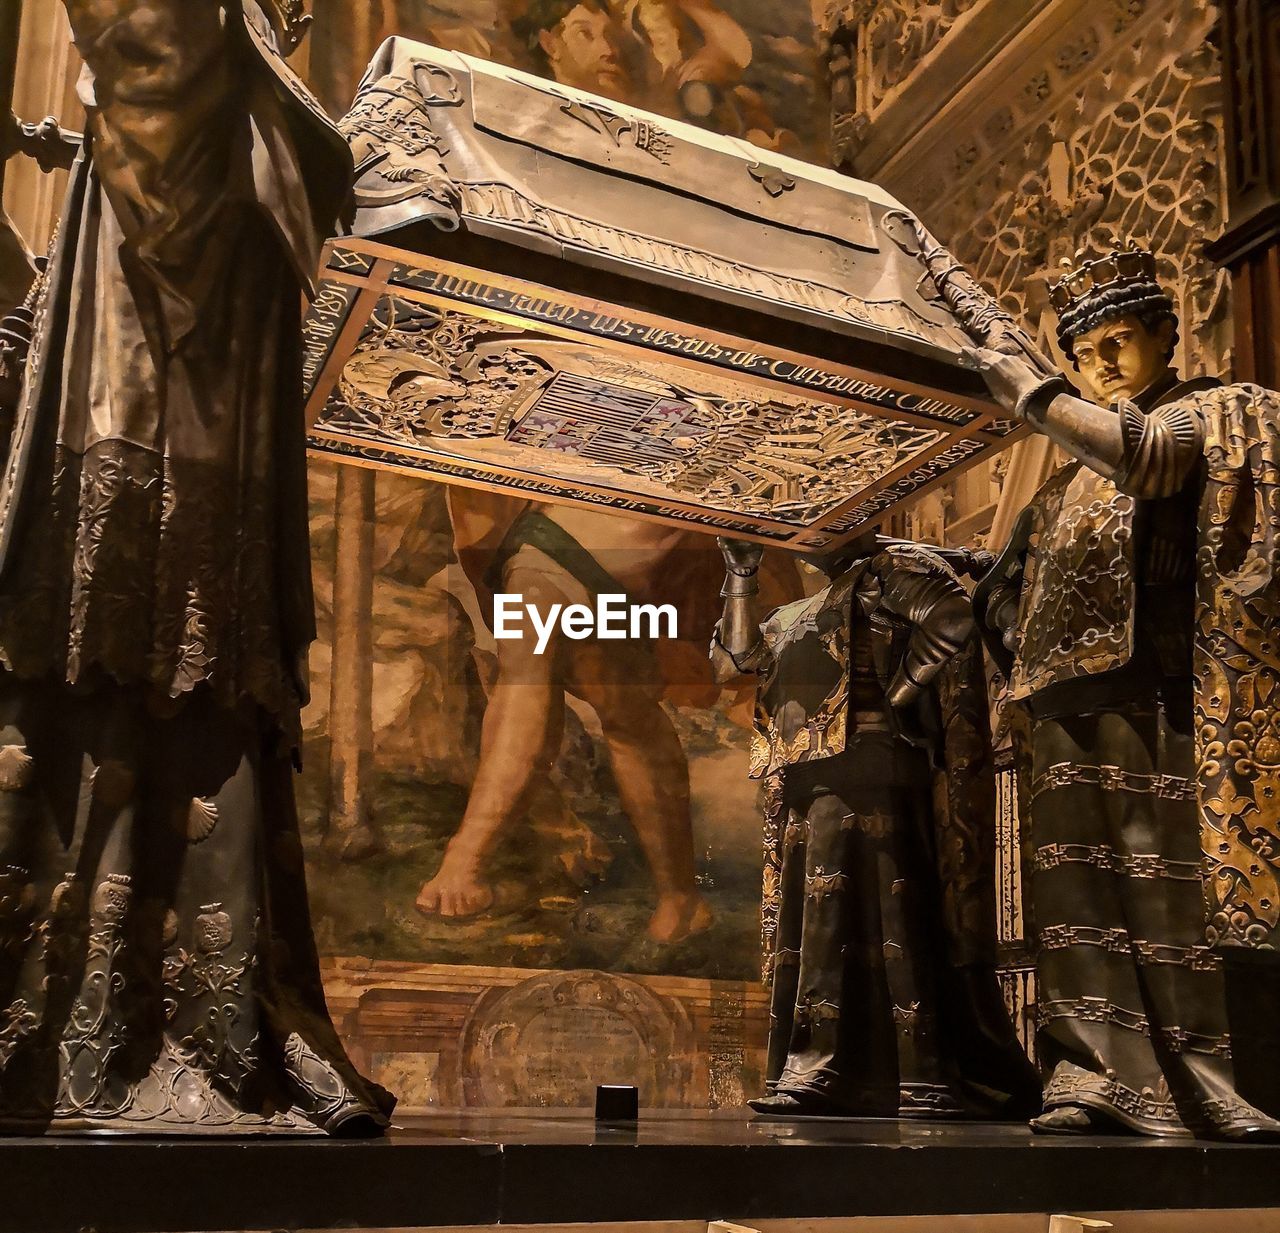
1138,119
1137,112
893,38
1113,126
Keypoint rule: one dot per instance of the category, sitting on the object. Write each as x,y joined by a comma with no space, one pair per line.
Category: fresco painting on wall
746,68
586,809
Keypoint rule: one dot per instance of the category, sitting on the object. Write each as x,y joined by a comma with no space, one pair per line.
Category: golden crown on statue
1086,278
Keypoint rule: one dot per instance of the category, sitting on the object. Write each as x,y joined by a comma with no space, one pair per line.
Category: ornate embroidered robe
157,971
1146,655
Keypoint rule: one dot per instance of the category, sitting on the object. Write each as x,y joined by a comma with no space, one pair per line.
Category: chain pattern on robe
1076,617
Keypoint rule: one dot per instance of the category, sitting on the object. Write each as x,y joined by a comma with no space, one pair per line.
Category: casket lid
596,183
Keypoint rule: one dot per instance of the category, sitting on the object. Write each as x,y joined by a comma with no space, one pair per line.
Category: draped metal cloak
1237,665
294,173
158,973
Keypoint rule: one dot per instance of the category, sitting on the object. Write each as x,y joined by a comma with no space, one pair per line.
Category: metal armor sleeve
1160,449
1085,430
1002,610
737,647
1146,456
938,610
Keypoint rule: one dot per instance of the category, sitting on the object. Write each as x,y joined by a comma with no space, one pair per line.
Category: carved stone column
1250,246
352,833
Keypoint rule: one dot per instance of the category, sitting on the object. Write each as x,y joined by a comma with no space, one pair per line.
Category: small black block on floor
617,1104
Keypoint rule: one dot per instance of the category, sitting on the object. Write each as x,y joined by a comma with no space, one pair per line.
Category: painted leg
653,782
519,741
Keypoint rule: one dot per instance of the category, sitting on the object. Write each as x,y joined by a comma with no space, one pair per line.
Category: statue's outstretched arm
1149,455
1046,402
737,648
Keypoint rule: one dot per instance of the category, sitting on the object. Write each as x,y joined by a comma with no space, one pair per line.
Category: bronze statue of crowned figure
1137,613
871,738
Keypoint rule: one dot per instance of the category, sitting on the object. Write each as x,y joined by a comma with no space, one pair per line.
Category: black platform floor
514,1168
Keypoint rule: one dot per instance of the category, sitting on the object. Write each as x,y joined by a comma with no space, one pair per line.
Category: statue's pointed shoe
1072,1120
796,1104
1256,1129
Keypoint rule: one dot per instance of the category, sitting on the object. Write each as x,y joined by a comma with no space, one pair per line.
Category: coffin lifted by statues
558,297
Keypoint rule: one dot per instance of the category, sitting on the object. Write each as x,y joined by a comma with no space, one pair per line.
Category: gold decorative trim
1113,779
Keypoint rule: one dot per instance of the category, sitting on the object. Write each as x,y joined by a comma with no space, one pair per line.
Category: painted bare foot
678,917
456,891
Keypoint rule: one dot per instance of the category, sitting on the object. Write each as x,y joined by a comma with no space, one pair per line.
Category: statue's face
582,53
1122,358
145,52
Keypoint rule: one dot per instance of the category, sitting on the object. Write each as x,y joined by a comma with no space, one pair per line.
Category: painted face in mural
582,53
